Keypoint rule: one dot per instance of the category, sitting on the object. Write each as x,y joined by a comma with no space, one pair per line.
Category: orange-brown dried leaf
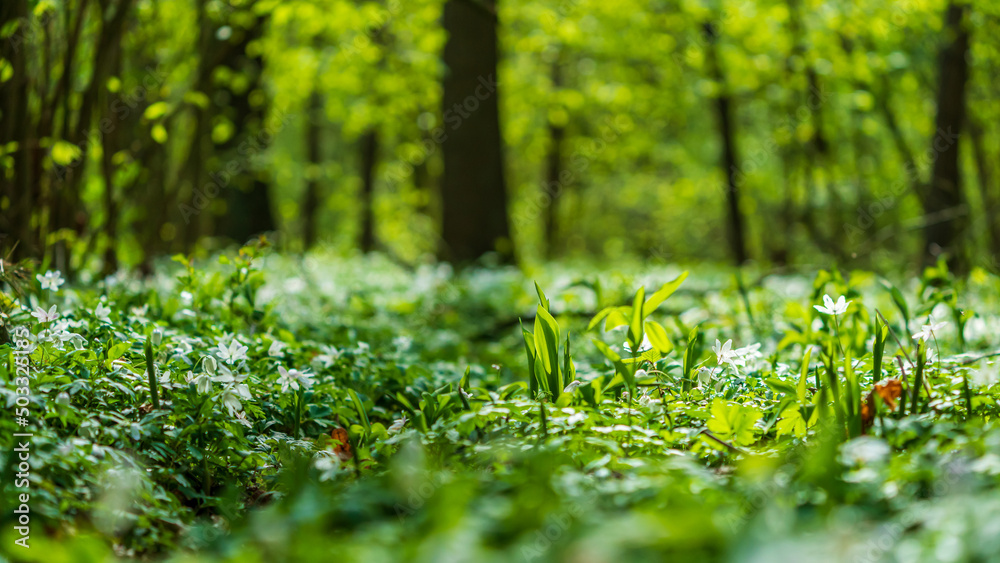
342,444
889,391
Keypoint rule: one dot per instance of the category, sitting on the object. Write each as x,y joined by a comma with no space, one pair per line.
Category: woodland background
775,131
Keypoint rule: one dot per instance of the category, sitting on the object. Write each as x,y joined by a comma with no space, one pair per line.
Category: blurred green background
791,132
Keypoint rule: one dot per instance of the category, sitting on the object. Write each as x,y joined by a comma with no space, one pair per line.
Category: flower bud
210,365
157,337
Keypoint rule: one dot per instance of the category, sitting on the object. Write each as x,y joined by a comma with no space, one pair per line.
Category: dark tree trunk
369,156
248,196
473,192
553,169
943,201
17,231
987,189
310,204
730,162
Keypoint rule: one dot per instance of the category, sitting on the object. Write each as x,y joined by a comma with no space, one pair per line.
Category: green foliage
260,368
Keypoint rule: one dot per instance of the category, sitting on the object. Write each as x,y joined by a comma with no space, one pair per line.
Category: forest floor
263,407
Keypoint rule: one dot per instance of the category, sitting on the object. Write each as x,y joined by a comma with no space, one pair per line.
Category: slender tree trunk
553,171
730,162
109,146
15,127
247,194
473,192
310,204
369,156
943,200
987,189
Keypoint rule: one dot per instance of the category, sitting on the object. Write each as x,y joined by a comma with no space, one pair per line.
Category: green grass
467,436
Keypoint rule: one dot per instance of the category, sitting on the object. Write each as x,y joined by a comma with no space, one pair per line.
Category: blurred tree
554,169
730,163
943,200
473,191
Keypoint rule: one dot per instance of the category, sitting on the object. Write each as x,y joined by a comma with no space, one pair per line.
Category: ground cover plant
265,407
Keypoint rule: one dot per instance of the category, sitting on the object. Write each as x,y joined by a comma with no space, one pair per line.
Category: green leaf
117,350
635,331
658,337
733,422
607,351
529,351
360,408
800,391
881,332
547,341
792,423
780,385
63,153
156,110
544,301
663,293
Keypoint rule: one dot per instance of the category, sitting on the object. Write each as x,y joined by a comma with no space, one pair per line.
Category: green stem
151,371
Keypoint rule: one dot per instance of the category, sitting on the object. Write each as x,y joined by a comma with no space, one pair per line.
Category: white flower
44,316
864,450
234,353
156,337
327,463
831,308
328,357
397,425
402,343
63,400
704,376
277,349
51,280
210,365
241,417
231,400
140,313
643,346
167,380
572,385
641,373
102,312
203,383
723,354
927,331
293,378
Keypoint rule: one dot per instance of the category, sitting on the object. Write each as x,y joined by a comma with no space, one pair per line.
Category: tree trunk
554,167
987,190
943,201
248,197
730,162
310,204
369,155
17,231
473,192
